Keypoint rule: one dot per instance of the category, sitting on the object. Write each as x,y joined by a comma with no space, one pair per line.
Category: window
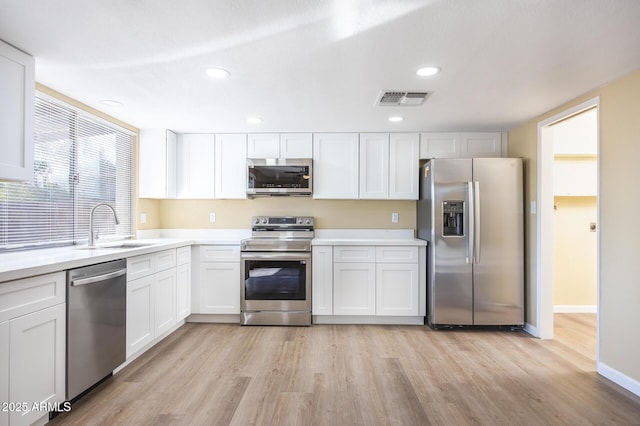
79,160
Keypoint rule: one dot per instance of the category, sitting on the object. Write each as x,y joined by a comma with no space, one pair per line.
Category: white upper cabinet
296,145
195,161
157,162
374,165
263,145
283,145
17,94
439,145
231,165
480,145
454,145
388,166
403,166
335,165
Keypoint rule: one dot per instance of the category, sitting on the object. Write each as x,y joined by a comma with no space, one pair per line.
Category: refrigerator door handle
470,220
476,222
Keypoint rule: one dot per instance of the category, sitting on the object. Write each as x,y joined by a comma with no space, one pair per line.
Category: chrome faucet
92,236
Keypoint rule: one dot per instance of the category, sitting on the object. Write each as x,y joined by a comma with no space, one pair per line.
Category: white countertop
22,264
366,237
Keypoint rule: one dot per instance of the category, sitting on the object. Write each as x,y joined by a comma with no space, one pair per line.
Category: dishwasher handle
98,278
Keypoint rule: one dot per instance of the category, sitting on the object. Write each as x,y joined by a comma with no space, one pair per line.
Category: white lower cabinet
367,280
140,314
183,291
220,285
37,362
397,289
354,289
216,289
151,298
165,301
322,280
4,370
32,347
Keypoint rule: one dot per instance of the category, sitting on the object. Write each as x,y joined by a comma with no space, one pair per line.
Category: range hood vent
401,98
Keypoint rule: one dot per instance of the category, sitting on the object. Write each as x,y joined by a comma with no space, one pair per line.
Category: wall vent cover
401,98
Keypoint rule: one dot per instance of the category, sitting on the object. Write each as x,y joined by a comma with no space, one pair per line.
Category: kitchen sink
127,245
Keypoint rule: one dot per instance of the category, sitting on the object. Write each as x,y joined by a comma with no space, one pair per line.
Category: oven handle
275,256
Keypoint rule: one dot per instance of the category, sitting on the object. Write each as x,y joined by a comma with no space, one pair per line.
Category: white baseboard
618,378
532,330
575,309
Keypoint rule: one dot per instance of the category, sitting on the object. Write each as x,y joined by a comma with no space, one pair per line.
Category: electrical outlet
143,218
212,217
394,217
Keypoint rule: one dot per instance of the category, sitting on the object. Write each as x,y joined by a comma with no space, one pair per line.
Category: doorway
545,217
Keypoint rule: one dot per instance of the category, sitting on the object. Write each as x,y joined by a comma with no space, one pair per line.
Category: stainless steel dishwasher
96,324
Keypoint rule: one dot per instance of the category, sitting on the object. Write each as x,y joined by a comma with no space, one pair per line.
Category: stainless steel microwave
279,176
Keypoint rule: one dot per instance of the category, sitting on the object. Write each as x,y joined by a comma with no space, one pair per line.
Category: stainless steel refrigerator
471,212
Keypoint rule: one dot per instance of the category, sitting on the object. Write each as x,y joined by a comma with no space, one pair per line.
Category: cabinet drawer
354,254
396,254
140,266
165,260
183,255
219,253
31,294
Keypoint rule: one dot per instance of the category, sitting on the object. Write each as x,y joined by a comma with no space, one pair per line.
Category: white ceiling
319,65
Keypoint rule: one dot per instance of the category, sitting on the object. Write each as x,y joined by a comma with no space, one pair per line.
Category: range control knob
263,220
307,221
256,221
298,221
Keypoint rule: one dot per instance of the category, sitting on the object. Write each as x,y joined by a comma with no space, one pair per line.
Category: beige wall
237,213
575,251
619,335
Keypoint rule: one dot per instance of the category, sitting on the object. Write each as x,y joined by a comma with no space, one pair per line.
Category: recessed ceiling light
111,103
218,73
396,119
428,71
254,120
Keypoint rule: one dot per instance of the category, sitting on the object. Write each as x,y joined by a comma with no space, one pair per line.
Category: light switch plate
212,217
143,218
394,217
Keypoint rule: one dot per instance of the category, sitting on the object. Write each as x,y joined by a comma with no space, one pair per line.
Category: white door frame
544,220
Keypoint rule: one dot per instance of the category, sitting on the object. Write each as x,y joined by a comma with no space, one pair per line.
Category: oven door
276,281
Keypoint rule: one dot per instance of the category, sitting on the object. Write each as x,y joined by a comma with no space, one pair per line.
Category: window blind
79,160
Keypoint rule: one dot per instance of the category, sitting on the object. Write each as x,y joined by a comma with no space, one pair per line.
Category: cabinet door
17,94
183,291
397,289
195,166
374,165
296,145
335,165
231,166
322,280
219,288
354,289
439,145
4,370
157,163
403,166
165,301
37,361
480,145
263,145
140,314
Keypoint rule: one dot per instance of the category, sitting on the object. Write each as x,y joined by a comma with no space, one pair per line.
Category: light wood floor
209,374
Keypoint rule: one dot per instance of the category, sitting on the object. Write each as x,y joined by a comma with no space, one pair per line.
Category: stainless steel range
276,272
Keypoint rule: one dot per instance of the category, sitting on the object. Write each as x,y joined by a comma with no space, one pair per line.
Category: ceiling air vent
401,98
